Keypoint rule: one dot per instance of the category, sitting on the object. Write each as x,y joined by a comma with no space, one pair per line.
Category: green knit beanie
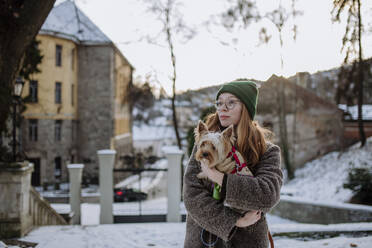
246,91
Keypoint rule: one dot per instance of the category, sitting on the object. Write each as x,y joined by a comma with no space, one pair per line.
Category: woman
236,104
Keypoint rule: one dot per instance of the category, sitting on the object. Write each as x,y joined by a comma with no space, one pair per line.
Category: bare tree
245,12
352,41
172,25
20,21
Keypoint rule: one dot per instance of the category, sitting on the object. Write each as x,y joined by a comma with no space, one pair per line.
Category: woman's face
229,109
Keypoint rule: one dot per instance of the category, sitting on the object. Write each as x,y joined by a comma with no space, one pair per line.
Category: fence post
174,156
106,164
75,172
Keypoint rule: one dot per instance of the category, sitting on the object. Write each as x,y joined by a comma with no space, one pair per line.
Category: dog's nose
205,154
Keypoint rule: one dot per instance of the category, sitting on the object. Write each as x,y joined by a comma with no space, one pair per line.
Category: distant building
314,125
79,101
351,126
326,84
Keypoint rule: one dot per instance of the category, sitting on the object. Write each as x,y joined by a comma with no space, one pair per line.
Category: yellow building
79,101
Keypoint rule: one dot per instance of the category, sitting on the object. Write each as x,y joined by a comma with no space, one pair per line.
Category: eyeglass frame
224,103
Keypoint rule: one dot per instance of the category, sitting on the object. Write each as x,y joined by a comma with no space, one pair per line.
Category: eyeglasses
229,104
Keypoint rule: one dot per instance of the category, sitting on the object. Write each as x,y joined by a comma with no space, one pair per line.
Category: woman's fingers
249,218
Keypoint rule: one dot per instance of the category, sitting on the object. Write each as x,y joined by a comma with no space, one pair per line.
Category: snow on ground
322,179
90,211
167,235
319,180
338,242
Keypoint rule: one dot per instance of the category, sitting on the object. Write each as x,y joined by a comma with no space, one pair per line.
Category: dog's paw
201,175
227,166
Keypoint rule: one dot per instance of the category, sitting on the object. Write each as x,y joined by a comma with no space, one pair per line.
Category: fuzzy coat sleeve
207,212
261,192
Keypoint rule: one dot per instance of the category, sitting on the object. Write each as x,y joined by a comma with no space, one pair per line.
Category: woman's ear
228,133
200,129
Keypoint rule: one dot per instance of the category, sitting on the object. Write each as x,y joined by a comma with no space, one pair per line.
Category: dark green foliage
141,96
31,61
190,133
190,140
360,182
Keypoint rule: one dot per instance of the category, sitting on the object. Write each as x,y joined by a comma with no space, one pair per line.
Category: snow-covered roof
353,111
149,132
66,20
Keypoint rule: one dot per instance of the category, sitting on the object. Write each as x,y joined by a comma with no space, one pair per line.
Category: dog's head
213,147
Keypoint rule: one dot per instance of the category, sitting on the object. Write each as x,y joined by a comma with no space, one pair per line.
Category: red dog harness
238,165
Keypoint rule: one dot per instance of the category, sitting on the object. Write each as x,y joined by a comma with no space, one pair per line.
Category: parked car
127,194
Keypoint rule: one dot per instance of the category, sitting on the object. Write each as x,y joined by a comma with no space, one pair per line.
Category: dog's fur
213,148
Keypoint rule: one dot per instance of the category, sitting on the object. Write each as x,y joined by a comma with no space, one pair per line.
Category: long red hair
251,137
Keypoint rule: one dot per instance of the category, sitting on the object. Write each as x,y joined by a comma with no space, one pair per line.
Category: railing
41,211
138,171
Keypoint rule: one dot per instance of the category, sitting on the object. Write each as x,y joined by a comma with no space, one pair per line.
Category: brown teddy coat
261,192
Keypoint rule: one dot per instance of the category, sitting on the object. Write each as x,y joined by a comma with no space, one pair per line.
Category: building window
73,58
57,167
58,92
32,129
58,130
33,91
58,55
72,94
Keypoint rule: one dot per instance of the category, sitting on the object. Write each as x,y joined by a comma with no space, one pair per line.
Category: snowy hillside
322,179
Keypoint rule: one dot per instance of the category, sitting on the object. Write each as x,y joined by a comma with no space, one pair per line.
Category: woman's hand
248,219
212,174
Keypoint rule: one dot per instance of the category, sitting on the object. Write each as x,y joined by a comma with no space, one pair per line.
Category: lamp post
18,87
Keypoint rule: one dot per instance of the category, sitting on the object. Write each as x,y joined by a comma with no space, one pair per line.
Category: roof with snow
352,112
66,20
150,132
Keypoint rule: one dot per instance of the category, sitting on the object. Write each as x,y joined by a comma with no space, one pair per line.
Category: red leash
238,165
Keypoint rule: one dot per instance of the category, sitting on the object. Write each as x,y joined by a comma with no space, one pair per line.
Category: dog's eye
214,148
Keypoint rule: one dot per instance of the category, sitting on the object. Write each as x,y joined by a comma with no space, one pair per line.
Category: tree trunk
283,128
174,113
170,44
282,114
20,22
362,135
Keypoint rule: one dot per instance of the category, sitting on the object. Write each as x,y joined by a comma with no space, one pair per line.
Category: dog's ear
228,133
200,129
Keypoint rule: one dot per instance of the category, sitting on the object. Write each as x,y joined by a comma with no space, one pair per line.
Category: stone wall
21,206
314,126
95,104
320,212
15,218
351,130
46,148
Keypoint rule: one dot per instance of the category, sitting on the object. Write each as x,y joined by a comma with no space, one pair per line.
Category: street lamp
18,87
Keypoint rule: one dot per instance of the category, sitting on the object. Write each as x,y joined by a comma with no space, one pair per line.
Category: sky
214,55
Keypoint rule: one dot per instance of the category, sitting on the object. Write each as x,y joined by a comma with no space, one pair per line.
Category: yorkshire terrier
217,150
